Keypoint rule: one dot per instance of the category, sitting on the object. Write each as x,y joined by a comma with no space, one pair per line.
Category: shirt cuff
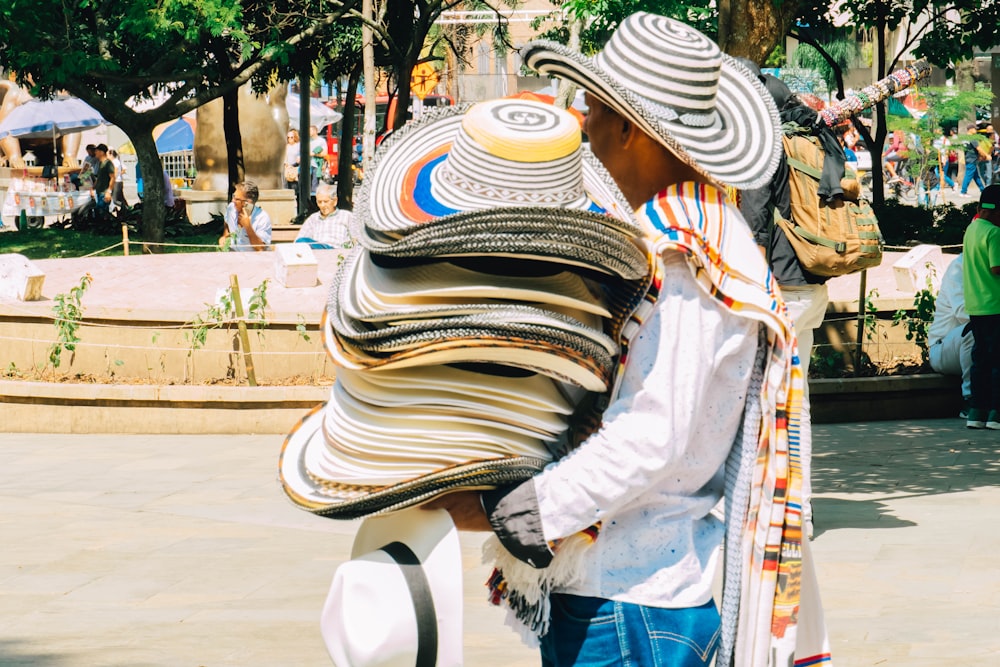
514,515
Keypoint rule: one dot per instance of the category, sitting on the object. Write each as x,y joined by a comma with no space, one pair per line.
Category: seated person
247,224
328,228
896,152
949,337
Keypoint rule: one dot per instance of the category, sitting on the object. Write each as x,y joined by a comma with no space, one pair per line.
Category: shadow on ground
895,459
834,513
14,653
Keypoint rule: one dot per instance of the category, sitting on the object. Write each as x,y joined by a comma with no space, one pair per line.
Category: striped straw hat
678,87
498,154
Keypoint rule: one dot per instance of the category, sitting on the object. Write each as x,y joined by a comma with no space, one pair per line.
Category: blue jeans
946,178
971,174
591,632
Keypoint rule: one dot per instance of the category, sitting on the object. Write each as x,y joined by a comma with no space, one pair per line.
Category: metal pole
368,59
859,341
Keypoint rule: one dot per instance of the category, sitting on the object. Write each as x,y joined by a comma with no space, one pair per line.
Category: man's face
240,199
327,204
101,155
601,126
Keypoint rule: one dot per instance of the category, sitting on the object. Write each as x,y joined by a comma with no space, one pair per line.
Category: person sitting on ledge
329,227
247,223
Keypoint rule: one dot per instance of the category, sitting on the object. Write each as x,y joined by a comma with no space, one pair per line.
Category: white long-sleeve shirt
654,470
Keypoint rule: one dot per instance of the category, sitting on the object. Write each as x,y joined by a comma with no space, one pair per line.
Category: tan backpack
829,240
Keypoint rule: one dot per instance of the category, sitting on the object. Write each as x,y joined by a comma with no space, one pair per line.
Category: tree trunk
305,139
878,139
751,29
154,213
404,72
234,139
345,159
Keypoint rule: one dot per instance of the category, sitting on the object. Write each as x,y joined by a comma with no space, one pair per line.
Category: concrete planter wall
46,407
925,396
43,407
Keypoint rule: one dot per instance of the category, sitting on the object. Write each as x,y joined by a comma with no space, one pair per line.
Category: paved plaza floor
181,551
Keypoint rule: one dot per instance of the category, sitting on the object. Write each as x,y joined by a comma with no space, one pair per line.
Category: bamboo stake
234,286
125,239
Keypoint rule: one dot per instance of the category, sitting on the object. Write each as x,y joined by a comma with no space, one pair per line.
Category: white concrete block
919,264
20,278
295,265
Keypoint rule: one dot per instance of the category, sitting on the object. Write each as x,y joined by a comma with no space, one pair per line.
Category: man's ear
628,132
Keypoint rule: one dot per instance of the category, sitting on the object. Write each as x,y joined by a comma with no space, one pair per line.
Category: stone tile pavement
174,551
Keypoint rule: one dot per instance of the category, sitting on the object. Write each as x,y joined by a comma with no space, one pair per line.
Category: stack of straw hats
497,264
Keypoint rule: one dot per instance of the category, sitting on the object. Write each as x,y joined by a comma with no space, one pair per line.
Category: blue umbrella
54,118
178,136
40,119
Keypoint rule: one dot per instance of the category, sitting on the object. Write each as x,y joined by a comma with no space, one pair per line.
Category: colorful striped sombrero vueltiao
505,153
678,87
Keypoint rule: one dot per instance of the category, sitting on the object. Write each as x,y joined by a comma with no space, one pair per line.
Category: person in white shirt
248,227
949,338
329,227
118,194
317,152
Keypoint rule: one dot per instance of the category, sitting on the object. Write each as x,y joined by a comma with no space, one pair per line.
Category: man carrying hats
610,552
981,285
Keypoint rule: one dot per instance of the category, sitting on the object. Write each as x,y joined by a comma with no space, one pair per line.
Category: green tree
402,33
944,32
600,18
176,54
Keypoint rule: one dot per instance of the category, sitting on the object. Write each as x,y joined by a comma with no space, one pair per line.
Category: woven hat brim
374,294
533,392
501,320
553,235
743,152
344,501
587,366
440,401
386,192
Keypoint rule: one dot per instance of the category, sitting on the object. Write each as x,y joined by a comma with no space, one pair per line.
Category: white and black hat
679,88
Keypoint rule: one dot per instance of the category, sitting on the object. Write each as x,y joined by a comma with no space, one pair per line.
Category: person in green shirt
981,287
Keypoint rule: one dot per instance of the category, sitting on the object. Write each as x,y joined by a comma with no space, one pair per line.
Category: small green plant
256,306
301,328
871,316
69,312
826,362
223,314
918,320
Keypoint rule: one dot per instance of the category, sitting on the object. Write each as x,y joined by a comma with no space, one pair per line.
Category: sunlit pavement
181,550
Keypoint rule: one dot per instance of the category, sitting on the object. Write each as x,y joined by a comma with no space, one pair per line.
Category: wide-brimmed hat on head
496,154
398,601
679,88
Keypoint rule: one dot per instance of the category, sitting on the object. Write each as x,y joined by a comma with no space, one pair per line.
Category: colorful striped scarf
764,539
764,574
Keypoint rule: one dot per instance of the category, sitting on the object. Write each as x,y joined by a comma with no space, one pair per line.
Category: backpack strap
837,246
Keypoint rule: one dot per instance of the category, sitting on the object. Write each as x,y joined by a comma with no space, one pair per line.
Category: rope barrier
119,346
98,252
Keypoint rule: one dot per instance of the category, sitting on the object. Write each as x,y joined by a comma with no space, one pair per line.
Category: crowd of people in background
946,159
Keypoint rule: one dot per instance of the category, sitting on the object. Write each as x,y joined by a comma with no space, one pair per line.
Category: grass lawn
56,243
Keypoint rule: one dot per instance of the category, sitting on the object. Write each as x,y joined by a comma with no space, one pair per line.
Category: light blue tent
179,136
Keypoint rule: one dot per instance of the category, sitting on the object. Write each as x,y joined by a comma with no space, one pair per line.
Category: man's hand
466,510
